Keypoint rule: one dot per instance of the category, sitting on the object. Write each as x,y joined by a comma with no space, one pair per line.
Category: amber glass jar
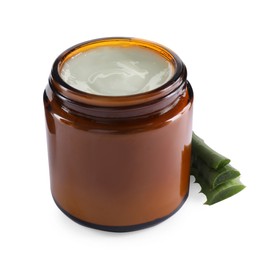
119,163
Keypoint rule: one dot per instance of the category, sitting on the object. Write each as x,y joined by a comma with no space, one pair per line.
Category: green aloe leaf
214,177
218,179
220,193
212,158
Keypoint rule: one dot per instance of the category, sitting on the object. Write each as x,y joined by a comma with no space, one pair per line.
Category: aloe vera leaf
221,192
214,177
225,174
212,158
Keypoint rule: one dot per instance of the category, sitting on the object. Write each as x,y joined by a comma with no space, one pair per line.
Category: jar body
118,174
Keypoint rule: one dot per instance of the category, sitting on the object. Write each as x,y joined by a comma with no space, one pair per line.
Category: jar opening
118,81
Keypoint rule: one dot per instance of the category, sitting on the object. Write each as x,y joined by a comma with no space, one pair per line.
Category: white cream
117,71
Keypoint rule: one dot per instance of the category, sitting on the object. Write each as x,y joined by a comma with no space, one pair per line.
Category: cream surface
116,71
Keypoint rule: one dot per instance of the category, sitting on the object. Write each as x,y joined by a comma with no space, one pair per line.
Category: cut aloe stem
217,179
212,158
220,193
214,177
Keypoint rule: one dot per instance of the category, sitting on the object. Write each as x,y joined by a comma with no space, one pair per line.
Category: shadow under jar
119,162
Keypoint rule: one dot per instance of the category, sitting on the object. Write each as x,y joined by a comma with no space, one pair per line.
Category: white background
225,46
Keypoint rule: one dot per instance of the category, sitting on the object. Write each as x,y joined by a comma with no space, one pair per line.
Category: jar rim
68,92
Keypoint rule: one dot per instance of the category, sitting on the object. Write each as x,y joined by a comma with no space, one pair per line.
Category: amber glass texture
119,163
